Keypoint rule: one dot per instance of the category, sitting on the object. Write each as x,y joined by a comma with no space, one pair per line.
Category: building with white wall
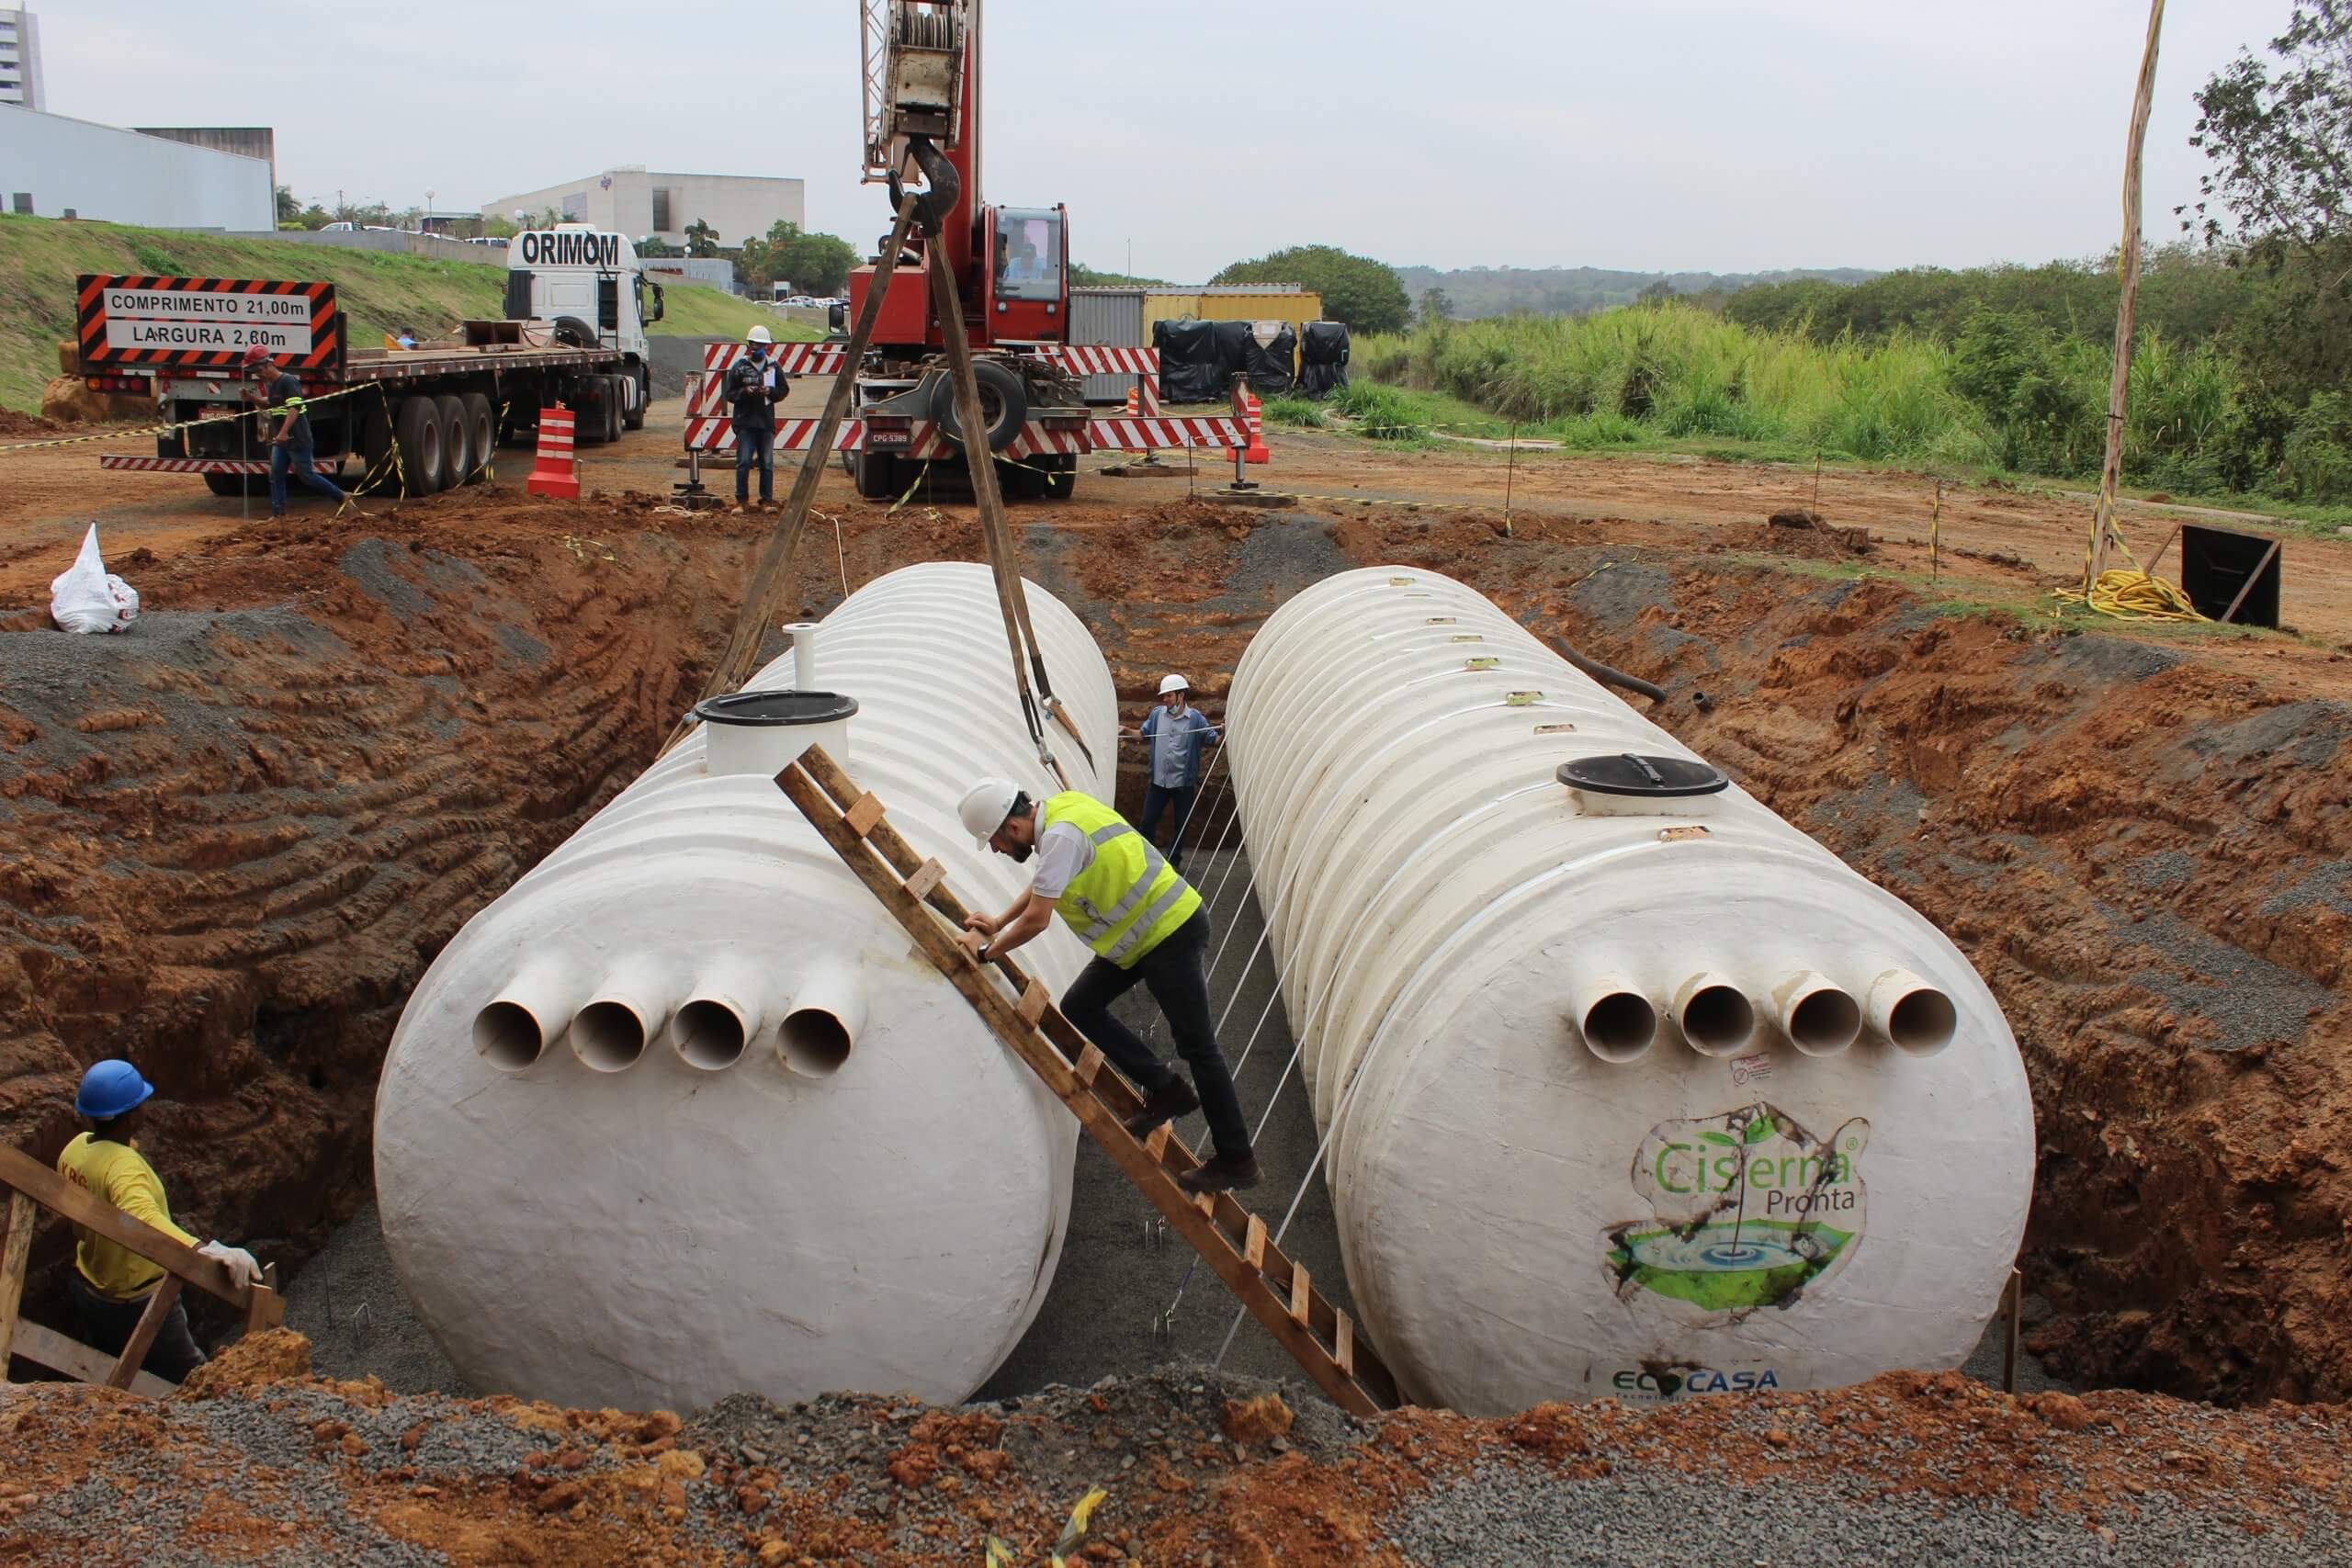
55,166
639,202
20,58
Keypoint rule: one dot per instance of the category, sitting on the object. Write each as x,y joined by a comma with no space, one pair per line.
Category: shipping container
1234,302
1111,318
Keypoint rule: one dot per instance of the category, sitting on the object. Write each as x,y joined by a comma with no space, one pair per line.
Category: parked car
338,228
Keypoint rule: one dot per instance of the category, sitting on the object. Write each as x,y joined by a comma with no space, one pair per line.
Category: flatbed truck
417,421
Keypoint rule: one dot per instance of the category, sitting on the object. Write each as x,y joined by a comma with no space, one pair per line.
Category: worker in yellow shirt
111,1283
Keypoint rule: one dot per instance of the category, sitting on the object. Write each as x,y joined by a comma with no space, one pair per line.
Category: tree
1084,276
2282,143
290,210
702,239
1358,290
812,264
1656,291
1436,307
655,245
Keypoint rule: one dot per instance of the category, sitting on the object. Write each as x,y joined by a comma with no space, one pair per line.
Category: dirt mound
275,1355
26,426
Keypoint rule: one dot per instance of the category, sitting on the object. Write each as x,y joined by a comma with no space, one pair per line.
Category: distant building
20,59
635,202
54,167
246,141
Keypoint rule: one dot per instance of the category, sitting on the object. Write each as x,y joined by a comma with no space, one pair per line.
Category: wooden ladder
1275,1289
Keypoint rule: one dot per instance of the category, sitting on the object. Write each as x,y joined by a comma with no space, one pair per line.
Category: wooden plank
15,1247
2162,548
928,875
1156,1146
265,1310
1035,1000
142,1338
1253,1247
1343,1344
1298,1293
1089,1065
2247,586
1362,1394
865,815
59,1196
47,1347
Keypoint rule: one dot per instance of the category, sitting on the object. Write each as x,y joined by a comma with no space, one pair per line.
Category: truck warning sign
206,322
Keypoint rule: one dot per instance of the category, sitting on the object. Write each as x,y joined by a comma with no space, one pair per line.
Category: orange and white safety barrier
557,470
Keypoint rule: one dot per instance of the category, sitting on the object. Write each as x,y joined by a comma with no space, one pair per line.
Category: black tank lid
776,707
1623,772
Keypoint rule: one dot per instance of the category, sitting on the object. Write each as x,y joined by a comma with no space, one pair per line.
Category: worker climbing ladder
1271,1286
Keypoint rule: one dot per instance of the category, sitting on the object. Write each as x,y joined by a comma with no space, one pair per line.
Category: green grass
40,257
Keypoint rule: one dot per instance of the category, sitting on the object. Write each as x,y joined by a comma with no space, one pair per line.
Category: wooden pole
2119,382
1936,536
15,1242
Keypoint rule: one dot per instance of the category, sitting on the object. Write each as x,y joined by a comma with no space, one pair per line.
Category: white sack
87,597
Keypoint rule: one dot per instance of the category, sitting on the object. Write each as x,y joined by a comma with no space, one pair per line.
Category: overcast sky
1709,135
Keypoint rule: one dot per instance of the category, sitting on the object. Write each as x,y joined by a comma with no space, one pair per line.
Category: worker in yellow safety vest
1145,923
111,1283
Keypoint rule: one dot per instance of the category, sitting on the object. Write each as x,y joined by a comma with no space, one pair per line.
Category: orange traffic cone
1135,403
555,472
1257,452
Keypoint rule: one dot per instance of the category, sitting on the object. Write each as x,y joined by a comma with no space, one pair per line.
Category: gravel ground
255,1463
349,1303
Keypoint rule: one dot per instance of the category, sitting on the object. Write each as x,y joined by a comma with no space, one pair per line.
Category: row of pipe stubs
1620,1021
713,1029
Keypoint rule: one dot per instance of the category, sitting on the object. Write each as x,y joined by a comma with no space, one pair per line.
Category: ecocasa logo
1641,1385
1748,1210
569,247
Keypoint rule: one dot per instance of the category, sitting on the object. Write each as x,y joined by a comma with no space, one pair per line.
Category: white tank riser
1625,1096
782,1154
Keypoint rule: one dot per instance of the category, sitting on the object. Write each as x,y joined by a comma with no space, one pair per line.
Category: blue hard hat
109,1088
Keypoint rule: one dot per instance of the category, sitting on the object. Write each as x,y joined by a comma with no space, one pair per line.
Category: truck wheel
416,432
638,388
1061,485
616,397
458,458
1004,404
588,413
481,434
878,475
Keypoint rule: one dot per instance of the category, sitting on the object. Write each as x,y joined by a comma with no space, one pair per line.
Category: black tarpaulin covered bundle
1198,360
1323,358
1267,363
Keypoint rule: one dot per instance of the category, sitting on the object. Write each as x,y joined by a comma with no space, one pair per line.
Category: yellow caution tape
997,1555
298,405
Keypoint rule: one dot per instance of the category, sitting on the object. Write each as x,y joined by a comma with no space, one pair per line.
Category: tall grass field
2003,395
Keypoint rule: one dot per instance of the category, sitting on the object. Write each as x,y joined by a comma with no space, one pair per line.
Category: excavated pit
231,841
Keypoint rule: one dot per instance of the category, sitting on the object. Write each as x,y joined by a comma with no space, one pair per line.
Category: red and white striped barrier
925,442
708,397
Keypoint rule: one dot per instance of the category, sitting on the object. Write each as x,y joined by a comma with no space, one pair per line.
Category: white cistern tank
684,1113
1631,1089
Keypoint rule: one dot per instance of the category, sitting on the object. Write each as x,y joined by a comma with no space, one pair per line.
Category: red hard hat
257,355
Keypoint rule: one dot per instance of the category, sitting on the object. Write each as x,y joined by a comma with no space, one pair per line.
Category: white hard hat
985,807
759,334
1175,684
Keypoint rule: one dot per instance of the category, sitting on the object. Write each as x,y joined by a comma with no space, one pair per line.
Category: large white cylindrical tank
685,1113
1629,1093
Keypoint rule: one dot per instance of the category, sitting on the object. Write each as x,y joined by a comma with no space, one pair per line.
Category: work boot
1173,1099
1225,1173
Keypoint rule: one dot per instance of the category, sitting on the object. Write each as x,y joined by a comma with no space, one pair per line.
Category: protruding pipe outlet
1819,1019
529,1014
1912,1015
804,655
1715,1016
610,1033
1616,1019
828,1013
717,1019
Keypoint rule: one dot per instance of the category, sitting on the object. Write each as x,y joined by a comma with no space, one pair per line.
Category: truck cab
586,283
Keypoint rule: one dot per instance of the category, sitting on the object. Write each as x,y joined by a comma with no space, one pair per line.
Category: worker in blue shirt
1177,731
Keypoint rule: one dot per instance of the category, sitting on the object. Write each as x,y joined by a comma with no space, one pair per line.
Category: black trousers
1176,974
107,1324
